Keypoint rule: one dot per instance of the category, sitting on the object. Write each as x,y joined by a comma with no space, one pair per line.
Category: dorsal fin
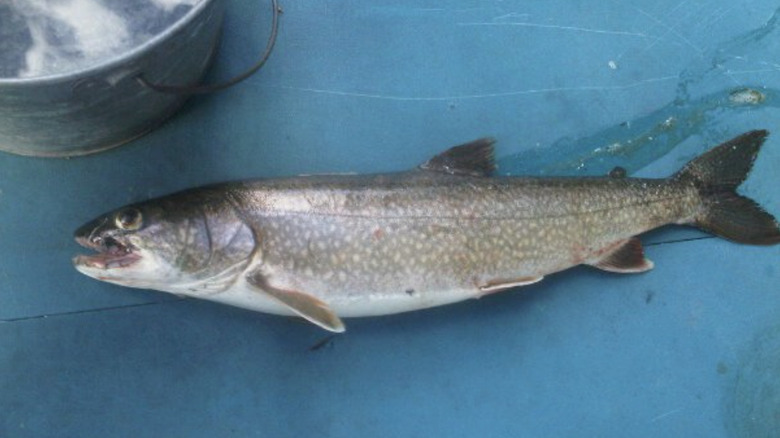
471,159
618,172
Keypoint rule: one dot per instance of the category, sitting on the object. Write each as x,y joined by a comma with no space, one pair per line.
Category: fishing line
85,311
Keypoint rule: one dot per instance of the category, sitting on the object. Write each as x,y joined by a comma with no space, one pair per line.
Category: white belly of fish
344,304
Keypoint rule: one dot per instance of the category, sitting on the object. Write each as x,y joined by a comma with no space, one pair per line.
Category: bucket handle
185,90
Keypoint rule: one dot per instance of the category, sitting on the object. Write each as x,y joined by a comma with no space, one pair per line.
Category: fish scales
325,247
340,236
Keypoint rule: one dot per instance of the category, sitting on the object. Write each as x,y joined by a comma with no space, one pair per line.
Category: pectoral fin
628,257
307,306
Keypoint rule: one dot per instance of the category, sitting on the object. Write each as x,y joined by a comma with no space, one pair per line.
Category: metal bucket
64,100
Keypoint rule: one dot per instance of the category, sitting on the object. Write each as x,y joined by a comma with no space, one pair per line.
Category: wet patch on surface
752,398
705,100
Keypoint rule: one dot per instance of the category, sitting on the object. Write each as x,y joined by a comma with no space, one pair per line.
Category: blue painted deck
691,348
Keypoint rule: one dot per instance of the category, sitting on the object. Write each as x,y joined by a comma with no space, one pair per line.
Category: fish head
166,245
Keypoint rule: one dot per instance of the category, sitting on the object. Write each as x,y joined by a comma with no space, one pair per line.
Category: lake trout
326,247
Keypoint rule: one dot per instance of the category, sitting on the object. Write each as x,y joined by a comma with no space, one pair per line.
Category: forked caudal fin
717,174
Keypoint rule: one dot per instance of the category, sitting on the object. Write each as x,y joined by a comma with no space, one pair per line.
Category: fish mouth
111,253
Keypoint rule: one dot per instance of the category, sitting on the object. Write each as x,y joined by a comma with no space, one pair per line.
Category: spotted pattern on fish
322,247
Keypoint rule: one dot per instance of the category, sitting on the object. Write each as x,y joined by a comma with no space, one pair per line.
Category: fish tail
717,174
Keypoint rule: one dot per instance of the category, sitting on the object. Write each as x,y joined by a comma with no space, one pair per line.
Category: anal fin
628,257
307,306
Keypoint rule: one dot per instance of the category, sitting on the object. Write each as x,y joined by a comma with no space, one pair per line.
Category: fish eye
129,219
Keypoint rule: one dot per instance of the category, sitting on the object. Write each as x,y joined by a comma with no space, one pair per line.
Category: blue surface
691,348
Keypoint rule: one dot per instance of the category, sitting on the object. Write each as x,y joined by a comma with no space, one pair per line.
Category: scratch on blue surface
614,87
511,15
665,414
558,27
716,16
673,31
656,23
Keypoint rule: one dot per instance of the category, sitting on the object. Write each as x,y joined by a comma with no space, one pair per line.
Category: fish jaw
110,255
111,261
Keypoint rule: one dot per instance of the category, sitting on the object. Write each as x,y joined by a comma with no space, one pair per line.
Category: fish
327,247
